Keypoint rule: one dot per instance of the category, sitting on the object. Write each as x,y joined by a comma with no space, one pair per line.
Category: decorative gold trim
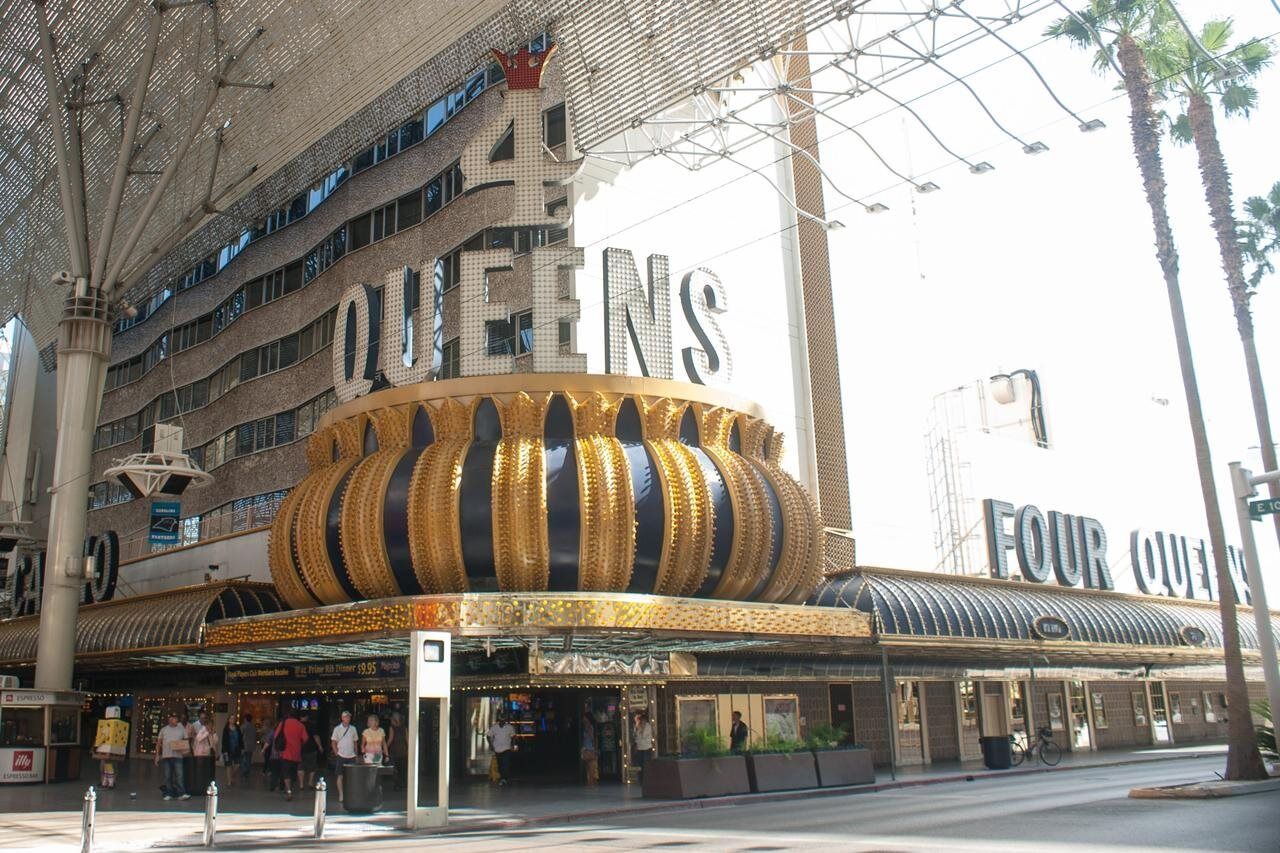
686,551
435,540
280,555
748,562
516,613
521,555
607,523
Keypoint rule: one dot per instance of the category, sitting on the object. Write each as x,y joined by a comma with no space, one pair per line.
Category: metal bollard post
210,814
87,820
322,797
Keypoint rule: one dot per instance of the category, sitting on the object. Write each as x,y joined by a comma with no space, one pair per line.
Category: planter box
844,767
686,778
782,771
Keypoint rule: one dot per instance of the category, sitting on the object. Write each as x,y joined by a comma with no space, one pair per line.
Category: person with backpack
286,745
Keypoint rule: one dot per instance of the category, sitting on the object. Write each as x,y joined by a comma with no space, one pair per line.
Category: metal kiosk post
428,777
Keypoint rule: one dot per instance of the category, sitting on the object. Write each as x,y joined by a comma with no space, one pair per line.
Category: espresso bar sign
1072,549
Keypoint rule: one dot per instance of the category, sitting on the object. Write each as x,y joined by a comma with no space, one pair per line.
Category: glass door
1080,735
1159,716
910,740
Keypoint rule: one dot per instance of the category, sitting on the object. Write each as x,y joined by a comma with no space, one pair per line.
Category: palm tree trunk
1217,192
1243,760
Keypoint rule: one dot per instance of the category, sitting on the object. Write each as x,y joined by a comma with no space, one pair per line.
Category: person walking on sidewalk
204,748
286,741
343,742
232,746
248,743
501,737
171,747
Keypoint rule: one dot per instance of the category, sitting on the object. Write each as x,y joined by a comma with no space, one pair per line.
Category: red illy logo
23,760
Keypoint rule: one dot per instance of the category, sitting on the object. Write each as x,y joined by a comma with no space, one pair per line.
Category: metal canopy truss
879,57
342,74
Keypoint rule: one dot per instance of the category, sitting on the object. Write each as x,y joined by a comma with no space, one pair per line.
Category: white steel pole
1242,482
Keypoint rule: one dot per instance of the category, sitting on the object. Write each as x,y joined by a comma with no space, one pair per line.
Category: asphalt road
1070,811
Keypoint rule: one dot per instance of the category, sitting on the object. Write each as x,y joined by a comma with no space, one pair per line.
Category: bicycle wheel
1017,753
1050,752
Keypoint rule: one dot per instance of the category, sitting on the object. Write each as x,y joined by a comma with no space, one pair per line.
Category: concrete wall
236,555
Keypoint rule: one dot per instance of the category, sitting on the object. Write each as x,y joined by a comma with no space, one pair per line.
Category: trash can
996,754
362,786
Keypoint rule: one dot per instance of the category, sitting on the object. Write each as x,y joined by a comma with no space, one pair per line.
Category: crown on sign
523,69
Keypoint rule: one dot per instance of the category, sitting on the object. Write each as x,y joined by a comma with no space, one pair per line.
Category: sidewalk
47,817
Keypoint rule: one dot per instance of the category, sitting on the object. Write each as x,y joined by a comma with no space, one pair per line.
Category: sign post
1242,484
429,683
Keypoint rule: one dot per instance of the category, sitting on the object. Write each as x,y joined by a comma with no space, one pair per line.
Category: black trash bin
362,786
996,754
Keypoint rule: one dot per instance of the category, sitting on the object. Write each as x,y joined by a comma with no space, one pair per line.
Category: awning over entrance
919,605
164,621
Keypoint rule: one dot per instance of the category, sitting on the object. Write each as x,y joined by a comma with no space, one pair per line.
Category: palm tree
1117,30
1194,81
1260,234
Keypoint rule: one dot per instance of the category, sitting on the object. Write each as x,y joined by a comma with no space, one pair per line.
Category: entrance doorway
1080,735
1159,714
550,737
842,709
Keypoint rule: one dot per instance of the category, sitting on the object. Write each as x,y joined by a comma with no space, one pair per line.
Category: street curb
1205,790
660,806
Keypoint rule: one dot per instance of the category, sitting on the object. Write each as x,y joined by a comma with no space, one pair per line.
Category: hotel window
523,323
554,131
450,360
498,337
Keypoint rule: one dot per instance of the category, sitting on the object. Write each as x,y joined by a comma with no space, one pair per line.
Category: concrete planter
781,771
844,767
687,778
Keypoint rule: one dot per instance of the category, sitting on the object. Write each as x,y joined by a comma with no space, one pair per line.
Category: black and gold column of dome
546,482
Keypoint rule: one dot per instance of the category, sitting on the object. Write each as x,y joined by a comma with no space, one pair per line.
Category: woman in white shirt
641,741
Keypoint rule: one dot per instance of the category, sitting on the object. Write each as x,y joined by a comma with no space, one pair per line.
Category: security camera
62,277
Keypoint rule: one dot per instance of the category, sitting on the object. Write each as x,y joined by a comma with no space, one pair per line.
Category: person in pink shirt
286,741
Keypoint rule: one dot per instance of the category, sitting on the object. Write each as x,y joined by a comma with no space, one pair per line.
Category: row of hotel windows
413,131
400,214
266,358
503,337
241,440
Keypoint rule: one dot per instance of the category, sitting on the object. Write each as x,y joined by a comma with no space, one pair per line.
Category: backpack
279,743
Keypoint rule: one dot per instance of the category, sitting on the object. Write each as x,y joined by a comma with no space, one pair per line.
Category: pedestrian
641,741
286,743
172,746
398,748
204,750
502,736
738,733
342,743
373,741
590,760
232,746
312,755
249,743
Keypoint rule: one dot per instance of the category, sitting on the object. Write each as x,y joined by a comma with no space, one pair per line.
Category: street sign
1266,506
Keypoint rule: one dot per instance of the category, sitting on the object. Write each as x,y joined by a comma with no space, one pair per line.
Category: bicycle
1050,753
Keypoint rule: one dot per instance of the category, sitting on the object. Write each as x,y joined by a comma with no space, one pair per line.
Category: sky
1047,263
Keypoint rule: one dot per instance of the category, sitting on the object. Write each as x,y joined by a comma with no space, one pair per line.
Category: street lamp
1242,485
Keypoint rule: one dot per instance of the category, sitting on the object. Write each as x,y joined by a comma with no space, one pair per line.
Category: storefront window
64,725
692,713
1175,707
22,727
781,718
1099,711
1053,705
1139,708
908,704
1017,708
968,703
1209,715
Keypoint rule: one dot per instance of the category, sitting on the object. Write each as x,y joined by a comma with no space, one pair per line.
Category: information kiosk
429,677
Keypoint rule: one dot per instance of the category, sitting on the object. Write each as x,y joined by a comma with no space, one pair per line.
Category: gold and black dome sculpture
546,482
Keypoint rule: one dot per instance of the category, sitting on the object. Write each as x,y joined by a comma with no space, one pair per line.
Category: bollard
322,797
87,820
210,814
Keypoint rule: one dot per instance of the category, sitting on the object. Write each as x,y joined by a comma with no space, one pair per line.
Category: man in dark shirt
738,733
